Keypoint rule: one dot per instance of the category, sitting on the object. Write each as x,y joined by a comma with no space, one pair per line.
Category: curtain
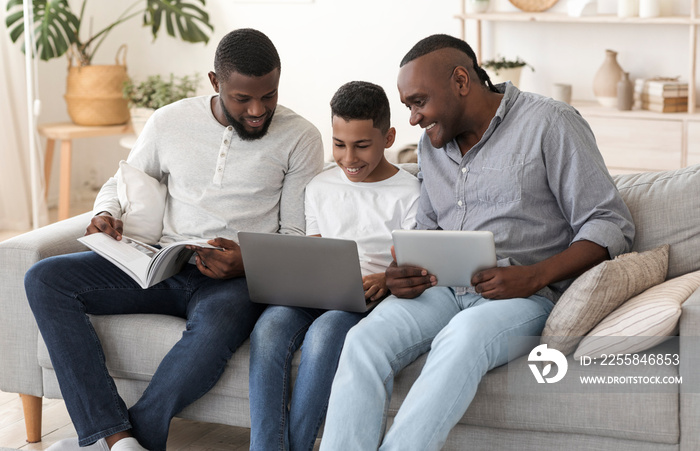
15,170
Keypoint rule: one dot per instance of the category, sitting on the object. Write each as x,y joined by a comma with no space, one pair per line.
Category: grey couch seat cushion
498,405
136,344
495,405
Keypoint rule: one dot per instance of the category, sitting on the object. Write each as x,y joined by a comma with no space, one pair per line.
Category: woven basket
94,93
533,6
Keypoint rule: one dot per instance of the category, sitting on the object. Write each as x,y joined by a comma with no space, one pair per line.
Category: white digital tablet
452,256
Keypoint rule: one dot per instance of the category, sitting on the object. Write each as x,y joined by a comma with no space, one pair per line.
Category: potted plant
155,92
93,93
502,69
477,6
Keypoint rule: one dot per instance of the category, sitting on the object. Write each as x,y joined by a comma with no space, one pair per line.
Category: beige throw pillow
599,291
143,203
642,322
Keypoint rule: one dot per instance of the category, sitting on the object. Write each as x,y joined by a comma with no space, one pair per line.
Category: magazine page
130,256
146,264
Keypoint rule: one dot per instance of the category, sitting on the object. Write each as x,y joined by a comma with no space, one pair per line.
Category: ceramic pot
625,93
606,79
477,6
511,74
139,117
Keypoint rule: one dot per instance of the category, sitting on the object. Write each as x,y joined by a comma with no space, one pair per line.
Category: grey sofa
666,209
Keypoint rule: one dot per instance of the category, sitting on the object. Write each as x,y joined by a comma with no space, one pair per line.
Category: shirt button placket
221,161
463,193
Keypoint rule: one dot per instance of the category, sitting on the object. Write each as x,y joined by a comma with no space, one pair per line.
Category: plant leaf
188,17
55,26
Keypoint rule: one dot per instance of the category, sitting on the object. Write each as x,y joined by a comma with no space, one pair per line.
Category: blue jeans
63,290
277,335
466,335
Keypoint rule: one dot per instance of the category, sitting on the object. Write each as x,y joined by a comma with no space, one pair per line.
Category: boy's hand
407,281
218,264
106,223
375,286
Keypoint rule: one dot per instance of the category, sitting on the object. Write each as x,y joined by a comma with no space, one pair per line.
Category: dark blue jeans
278,423
63,290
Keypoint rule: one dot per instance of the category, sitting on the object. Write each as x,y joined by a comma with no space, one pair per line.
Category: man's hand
407,281
105,223
523,281
374,286
217,264
506,282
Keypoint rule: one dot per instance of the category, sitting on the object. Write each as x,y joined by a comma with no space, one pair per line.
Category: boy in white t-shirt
364,198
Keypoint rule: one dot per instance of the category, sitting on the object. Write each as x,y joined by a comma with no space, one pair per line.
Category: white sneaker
128,444
71,444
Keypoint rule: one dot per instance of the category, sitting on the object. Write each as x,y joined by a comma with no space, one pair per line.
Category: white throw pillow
642,322
143,203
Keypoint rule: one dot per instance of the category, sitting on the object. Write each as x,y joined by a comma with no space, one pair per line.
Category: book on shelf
664,100
662,108
147,265
661,87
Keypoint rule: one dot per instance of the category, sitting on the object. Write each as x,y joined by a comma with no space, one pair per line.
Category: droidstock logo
542,354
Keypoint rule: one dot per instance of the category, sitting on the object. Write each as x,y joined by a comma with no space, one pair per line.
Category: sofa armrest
690,318
689,371
19,369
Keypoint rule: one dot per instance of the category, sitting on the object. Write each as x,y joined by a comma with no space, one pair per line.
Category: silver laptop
303,271
453,256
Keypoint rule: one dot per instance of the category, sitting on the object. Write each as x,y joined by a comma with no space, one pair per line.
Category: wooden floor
184,434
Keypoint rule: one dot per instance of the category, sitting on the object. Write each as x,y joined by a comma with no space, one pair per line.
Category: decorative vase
606,79
511,74
627,8
625,93
580,8
649,8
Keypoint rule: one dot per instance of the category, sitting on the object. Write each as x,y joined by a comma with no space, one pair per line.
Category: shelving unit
674,136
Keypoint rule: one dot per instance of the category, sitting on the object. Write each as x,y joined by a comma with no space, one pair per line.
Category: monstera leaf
55,26
180,18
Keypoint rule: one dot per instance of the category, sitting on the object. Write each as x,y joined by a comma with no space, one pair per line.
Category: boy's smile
358,149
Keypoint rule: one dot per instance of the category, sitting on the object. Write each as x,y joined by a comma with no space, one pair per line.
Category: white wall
326,43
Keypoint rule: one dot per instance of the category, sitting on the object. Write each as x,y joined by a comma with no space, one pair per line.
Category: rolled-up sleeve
586,193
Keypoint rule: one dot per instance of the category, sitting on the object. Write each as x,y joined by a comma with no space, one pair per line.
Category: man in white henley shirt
232,161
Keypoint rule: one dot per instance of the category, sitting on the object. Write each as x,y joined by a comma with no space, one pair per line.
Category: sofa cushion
503,404
134,346
642,322
599,291
665,207
497,404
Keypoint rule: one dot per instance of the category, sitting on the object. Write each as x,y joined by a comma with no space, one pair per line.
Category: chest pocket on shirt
501,180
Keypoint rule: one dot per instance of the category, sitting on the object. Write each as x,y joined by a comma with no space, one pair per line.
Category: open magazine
145,264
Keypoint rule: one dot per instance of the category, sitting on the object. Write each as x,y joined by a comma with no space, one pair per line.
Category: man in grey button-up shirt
493,158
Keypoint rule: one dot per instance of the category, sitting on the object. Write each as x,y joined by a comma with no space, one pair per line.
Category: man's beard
240,129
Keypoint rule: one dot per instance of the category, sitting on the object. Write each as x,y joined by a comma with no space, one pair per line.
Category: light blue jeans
466,335
278,422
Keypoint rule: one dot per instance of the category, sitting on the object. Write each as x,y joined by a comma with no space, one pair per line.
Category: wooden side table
66,132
